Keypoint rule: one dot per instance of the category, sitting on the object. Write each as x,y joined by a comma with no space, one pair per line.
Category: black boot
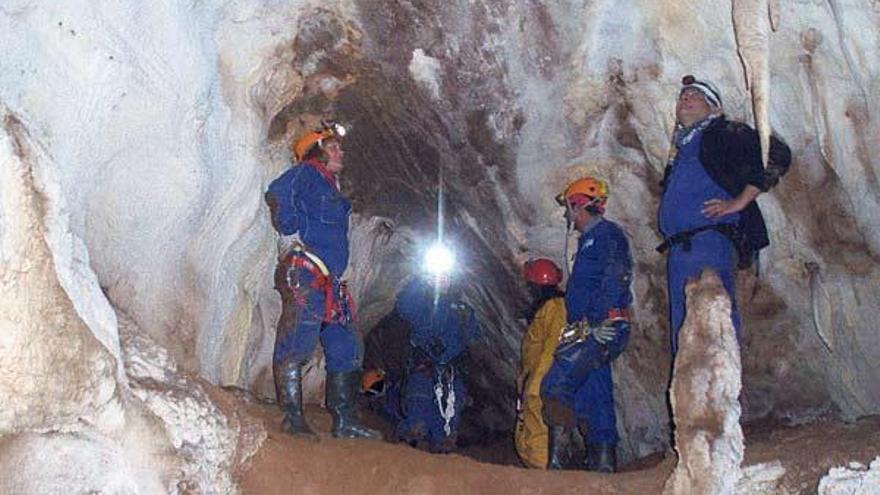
601,457
288,386
554,450
342,390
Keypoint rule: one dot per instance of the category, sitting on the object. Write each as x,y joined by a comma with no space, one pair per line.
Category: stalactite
751,24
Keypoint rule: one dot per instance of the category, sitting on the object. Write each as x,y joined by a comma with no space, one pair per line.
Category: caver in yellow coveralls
538,347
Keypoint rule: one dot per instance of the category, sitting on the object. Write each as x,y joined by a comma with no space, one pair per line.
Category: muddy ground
286,465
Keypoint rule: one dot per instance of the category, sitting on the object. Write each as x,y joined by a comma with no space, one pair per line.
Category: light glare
438,259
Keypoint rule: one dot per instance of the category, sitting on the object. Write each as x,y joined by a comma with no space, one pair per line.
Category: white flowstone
762,479
210,444
426,70
855,479
72,420
704,394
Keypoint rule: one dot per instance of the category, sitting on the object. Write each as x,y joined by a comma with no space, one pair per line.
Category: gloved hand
604,334
571,331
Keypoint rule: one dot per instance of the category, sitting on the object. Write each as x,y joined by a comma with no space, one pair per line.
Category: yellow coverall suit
539,344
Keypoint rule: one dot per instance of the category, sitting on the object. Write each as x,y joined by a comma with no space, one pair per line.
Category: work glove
604,334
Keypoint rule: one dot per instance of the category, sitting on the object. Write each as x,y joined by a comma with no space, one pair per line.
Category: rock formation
80,412
163,122
705,394
855,479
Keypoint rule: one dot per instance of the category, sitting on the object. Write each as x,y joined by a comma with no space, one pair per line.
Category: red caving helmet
542,271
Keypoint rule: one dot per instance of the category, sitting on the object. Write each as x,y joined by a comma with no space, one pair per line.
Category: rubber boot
601,457
288,385
342,390
554,447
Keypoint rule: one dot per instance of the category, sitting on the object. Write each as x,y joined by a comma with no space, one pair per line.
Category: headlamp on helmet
333,127
330,129
438,260
712,96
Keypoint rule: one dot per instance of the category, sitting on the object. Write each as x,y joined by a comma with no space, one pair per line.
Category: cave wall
79,382
166,121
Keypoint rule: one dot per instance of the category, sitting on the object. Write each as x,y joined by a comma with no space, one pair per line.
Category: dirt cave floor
287,464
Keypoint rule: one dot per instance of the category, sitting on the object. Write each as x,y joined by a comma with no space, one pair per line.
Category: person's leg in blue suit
709,249
417,406
439,440
600,434
295,339
574,366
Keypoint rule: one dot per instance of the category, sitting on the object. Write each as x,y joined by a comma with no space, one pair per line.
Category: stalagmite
46,348
706,382
144,430
751,23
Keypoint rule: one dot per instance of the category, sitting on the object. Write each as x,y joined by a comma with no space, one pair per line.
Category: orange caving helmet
330,129
585,191
373,382
542,271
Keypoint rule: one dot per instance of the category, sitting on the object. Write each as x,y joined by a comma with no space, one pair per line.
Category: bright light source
438,260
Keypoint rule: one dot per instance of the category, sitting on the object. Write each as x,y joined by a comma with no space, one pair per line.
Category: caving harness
444,388
746,255
578,331
444,383
338,304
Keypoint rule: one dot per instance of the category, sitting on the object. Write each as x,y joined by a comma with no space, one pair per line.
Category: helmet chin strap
569,228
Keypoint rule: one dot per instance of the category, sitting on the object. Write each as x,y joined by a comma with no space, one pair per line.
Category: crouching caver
578,391
433,392
306,200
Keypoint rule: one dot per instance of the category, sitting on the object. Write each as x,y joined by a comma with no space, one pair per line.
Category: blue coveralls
309,202
688,187
440,335
579,381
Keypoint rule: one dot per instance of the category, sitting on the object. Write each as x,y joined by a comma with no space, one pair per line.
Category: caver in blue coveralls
578,387
688,186
309,202
439,337
306,199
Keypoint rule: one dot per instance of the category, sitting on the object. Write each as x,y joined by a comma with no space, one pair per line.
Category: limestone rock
704,394
166,121
73,421
56,372
210,441
855,479
762,479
